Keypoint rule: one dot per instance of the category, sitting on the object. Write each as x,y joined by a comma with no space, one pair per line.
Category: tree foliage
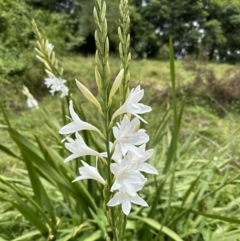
206,29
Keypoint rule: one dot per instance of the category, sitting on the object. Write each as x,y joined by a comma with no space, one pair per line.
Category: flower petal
116,200
137,200
89,172
126,207
146,167
77,124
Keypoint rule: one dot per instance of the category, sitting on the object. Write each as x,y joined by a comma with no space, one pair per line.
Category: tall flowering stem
124,46
125,154
46,55
102,75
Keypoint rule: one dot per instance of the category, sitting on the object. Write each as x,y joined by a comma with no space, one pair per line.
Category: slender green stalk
124,227
102,74
124,45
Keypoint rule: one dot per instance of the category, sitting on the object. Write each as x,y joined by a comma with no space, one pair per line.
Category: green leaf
154,224
8,151
30,216
95,236
6,232
100,224
217,217
5,115
27,236
190,189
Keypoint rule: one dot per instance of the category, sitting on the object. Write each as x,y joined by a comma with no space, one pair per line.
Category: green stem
124,227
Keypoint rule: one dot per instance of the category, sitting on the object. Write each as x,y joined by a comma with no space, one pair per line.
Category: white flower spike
89,172
77,124
79,148
128,135
132,106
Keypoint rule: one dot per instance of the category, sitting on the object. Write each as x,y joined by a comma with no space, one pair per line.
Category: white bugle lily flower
89,172
132,106
140,161
56,84
117,154
125,199
32,103
126,176
79,148
77,124
128,135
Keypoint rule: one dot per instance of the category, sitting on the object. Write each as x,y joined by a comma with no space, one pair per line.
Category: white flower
50,47
79,148
64,89
89,172
140,161
117,154
132,106
32,103
56,84
128,135
127,176
77,124
125,199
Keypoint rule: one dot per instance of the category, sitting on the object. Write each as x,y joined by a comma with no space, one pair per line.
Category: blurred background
203,30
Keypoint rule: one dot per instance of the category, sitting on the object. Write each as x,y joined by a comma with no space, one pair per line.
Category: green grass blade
53,173
176,118
157,226
217,217
160,130
5,115
100,224
27,236
30,216
190,189
6,233
63,169
40,194
8,151
95,236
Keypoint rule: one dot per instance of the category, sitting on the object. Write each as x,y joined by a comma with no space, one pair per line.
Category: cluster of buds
127,151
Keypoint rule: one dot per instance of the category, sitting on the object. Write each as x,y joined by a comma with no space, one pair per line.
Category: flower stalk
124,46
125,142
102,73
46,55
